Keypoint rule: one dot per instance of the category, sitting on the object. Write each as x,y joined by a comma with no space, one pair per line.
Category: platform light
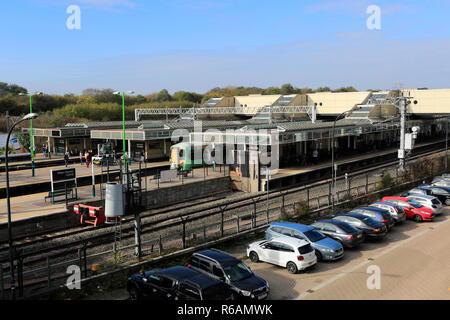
29,116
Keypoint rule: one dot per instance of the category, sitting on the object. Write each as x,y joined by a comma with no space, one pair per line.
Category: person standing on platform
81,158
315,156
66,159
86,155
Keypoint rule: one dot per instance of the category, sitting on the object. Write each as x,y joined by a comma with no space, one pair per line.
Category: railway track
93,237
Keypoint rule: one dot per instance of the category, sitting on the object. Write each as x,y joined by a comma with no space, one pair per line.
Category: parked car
395,211
370,227
287,252
231,271
445,177
430,202
176,283
413,210
442,193
441,183
325,248
378,214
340,231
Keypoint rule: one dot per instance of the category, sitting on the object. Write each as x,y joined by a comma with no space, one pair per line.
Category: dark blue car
369,226
377,214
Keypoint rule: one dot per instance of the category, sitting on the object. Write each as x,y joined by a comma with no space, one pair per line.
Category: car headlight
327,250
425,212
246,293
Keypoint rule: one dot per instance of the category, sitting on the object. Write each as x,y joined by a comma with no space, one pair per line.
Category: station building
298,135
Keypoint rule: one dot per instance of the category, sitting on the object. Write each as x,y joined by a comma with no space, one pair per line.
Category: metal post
160,244
137,234
307,197
80,265
2,285
237,224
93,180
367,183
49,272
204,233
267,189
446,144
221,221
402,133
183,239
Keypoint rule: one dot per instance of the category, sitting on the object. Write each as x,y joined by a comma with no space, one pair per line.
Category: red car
413,209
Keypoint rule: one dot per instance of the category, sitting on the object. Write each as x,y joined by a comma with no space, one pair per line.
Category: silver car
430,202
396,212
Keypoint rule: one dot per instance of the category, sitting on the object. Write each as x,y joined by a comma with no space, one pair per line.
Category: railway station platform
22,183
31,214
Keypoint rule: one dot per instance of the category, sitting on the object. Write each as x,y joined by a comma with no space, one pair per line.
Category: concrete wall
334,103
171,195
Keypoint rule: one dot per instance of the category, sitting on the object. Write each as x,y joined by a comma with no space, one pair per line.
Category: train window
181,153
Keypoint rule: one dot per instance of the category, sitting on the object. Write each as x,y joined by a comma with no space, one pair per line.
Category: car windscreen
305,249
435,201
347,228
237,272
314,235
400,209
219,291
369,221
414,204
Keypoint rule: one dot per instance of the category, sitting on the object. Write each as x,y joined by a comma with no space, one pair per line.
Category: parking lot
414,261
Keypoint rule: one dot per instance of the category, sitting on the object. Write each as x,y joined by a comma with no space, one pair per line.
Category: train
182,155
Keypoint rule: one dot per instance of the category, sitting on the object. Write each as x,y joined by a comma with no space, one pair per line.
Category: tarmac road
413,259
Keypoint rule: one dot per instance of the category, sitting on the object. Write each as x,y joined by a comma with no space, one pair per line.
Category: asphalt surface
413,260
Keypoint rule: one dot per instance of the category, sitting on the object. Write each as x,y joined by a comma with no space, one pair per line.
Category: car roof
422,196
396,198
290,240
379,210
385,203
203,281
335,222
296,226
355,215
218,255
178,272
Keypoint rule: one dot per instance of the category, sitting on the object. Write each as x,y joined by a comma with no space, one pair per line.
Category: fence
50,270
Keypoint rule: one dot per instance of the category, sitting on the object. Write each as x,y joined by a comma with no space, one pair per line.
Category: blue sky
196,45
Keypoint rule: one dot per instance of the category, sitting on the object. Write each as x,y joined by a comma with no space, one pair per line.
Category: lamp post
29,116
446,143
31,127
123,123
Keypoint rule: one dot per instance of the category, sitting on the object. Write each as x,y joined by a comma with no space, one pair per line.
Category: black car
381,215
369,226
340,231
231,271
442,193
176,283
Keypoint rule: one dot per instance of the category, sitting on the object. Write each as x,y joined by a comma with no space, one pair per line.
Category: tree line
104,105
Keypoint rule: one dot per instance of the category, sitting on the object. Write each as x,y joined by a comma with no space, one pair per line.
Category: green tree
287,89
162,96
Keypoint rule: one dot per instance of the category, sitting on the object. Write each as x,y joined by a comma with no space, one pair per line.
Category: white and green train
188,155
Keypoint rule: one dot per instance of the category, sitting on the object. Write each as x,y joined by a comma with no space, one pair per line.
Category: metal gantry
310,110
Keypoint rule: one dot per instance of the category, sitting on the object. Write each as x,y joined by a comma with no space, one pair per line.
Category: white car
430,202
291,253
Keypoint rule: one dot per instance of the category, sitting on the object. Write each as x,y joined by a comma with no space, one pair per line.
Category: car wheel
291,267
319,255
417,218
254,256
134,293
